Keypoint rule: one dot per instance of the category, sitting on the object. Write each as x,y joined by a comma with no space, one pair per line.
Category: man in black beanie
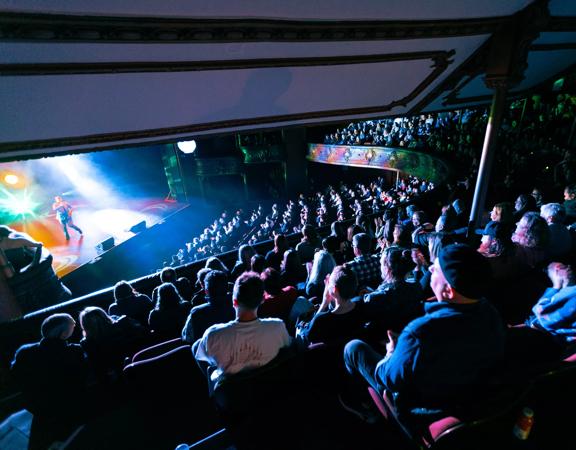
444,357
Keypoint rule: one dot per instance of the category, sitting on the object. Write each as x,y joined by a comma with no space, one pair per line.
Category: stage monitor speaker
139,227
105,245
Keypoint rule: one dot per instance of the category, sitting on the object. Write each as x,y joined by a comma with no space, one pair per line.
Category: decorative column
505,66
488,150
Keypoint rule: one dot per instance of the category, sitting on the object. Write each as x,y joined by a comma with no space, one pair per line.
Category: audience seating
281,402
171,387
478,424
552,400
157,350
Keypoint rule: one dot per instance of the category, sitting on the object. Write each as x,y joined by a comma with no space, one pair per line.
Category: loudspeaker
105,245
139,227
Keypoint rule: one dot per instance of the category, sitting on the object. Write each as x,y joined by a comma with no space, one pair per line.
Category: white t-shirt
234,346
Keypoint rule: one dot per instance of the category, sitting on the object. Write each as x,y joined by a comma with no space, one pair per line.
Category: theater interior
179,131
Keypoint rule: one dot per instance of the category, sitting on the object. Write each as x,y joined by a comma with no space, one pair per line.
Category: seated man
365,266
560,243
245,343
443,357
52,376
218,308
129,302
570,204
167,275
345,319
278,301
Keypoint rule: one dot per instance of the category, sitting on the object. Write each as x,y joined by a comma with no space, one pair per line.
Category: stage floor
97,224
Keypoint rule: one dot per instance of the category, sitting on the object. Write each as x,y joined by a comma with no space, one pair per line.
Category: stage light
187,146
86,179
18,205
11,178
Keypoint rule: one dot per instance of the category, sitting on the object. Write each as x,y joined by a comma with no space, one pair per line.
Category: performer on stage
64,215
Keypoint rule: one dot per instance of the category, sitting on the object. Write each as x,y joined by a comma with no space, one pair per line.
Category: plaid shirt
367,269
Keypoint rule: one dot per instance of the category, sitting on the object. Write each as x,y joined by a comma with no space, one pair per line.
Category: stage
97,225
109,192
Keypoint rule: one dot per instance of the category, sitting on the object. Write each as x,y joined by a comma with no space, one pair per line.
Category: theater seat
171,371
476,425
169,390
280,402
157,350
552,399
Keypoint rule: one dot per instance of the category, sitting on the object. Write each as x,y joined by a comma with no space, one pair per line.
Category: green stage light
17,205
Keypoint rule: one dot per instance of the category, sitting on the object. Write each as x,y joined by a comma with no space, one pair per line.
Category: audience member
531,237
395,302
293,273
184,288
169,314
15,248
338,318
524,203
245,343
107,340
274,256
278,301
555,312
570,203
52,376
365,265
167,275
199,296
245,254
443,358
309,243
217,309
322,265
560,243
129,302
257,263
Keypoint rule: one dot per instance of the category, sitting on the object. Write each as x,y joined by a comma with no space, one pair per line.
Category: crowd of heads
302,215
419,248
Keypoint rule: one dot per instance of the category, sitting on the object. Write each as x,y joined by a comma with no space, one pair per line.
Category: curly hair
532,231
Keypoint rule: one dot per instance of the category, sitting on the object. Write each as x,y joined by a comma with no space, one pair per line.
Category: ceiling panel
51,107
562,7
60,106
28,53
293,9
543,65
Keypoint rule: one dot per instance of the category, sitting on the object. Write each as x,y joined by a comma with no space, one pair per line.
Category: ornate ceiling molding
16,27
453,100
469,69
441,60
530,22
